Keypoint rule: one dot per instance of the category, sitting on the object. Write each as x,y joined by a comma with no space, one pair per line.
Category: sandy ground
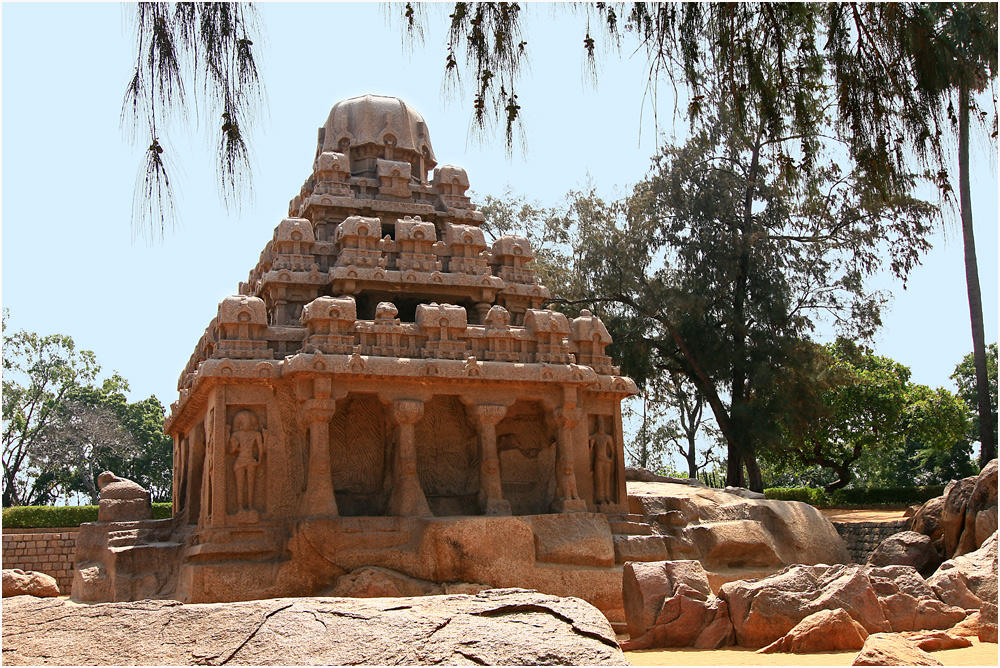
860,515
980,654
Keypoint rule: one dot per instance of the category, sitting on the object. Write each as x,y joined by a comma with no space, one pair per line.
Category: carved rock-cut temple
386,391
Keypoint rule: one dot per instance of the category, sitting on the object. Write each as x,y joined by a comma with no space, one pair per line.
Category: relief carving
527,455
246,441
447,457
602,453
209,478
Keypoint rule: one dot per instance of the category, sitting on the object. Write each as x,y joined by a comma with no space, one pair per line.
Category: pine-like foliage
192,59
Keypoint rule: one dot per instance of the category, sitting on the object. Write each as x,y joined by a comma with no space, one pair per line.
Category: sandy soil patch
861,515
980,654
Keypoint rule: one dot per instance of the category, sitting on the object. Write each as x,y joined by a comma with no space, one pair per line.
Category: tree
954,53
40,372
935,426
675,426
78,442
966,377
143,452
60,430
861,406
731,255
872,427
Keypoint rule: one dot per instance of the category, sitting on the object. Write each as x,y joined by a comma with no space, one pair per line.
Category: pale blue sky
69,264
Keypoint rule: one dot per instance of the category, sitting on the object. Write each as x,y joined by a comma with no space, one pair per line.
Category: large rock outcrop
935,641
889,649
970,580
927,519
670,604
823,631
895,598
494,627
732,536
981,515
964,516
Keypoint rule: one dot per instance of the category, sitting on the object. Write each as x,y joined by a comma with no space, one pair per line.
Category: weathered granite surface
496,627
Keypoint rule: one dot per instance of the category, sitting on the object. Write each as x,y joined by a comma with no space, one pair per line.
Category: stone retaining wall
861,538
50,551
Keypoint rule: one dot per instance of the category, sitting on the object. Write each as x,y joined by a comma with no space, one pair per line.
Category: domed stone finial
376,127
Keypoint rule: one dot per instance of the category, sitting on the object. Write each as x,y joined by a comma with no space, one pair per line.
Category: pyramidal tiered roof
382,256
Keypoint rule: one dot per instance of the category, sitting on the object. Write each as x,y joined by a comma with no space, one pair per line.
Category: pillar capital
319,409
567,417
489,414
407,411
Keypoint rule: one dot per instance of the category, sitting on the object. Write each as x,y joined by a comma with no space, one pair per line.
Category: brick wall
50,551
861,538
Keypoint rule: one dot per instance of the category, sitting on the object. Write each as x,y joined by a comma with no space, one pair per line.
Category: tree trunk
734,468
692,457
740,448
755,482
988,448
844,475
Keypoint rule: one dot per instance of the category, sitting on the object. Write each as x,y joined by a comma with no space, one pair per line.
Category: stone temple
384,397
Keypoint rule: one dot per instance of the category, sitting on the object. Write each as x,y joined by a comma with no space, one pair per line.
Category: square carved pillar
407,495
218,438
319,498
491,499
567,497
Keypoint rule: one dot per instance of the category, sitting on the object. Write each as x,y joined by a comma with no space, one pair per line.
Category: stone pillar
219,436
482,310
319,498
407,497
195,472
178,488
491,499
567,498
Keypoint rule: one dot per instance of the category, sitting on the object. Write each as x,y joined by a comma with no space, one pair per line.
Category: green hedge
812,495
45,517
873,496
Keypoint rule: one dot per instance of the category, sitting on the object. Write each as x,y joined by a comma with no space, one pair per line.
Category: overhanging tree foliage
903,77
191,58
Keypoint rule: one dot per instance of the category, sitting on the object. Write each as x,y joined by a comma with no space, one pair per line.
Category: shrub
872,496
812,495
45,517
886,495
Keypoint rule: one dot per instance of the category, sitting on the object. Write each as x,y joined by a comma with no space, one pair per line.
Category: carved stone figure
246,441
122,500
209,478
602,453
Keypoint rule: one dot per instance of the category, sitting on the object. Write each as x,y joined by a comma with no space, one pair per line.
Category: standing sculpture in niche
208,479
246,442
602,453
